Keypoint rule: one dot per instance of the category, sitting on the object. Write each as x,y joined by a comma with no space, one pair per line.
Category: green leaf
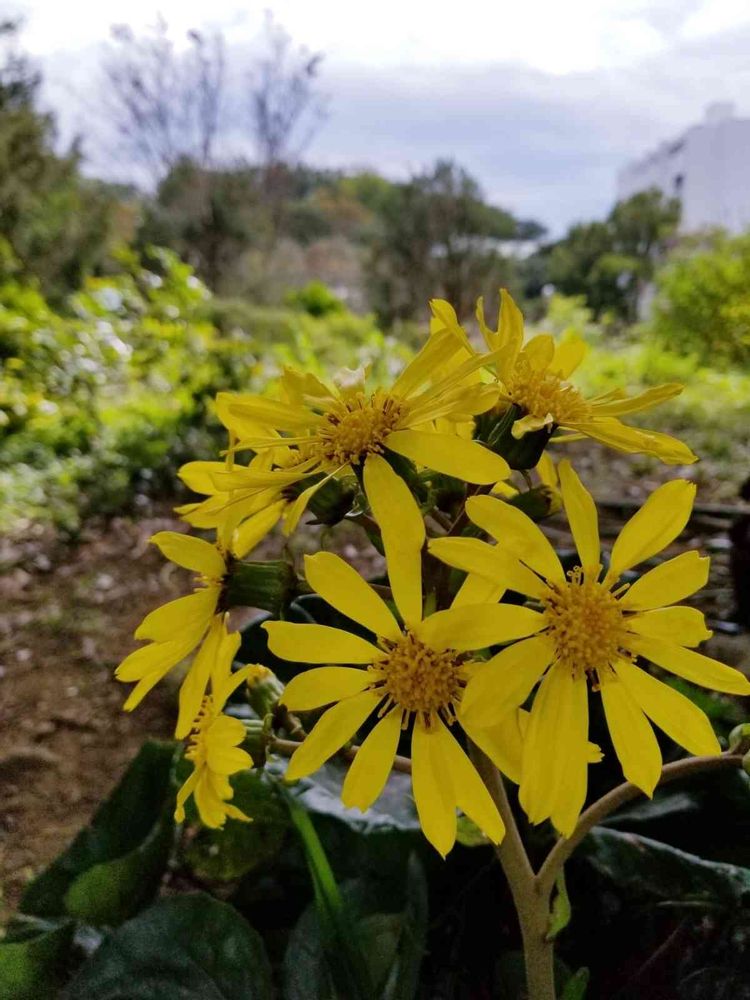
561,910
115,864
239,848
32,958
189,947
576,986
652,870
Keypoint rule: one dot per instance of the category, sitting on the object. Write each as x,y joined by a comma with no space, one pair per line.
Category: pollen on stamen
419,680
356,426
542,393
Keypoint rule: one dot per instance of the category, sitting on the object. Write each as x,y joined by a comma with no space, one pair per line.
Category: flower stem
531,902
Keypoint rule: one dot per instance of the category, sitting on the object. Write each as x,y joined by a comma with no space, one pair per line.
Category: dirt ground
67,615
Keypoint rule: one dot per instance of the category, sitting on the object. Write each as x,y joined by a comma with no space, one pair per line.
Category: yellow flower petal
228,759
274,413
492,562
659,521
517,534
671,711
505,682
540,350
431,784
214,658
198,476
569,353
184,794
686,626
403,532
667,583
438,350
255,528
319,644
478,626
615,434
369,771
157,657
529,424
186,616
210,806
501,742
694,667
450,455
191,553
632,737
342,586
580,510
555,751
643,401
477,590
333,729
322,686
471,793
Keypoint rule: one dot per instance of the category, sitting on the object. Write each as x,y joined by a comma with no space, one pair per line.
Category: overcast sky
542,100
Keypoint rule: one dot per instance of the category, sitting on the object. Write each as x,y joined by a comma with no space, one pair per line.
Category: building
707,168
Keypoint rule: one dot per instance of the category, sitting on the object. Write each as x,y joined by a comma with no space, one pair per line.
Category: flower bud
270,586
256,740
334,500
739,739
264,689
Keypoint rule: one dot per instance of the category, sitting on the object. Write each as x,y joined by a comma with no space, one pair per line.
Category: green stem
531,902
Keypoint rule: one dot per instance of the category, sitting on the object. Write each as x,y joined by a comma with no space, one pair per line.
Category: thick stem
531,902
608,803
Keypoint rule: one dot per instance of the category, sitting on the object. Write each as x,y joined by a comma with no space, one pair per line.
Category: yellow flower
534,377
320,430
590,628
214,750
416,672
177,628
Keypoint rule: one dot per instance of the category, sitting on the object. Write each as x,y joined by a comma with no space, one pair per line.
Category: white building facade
707,168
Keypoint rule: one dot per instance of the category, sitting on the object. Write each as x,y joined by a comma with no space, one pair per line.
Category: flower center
419,679
540,392
585,624
357,426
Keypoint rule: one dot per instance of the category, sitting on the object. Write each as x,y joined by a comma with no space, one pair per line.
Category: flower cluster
481,642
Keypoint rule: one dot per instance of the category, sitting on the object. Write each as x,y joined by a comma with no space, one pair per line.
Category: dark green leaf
652,870
115,864
561,911
576,986
239,847
189,947
32,959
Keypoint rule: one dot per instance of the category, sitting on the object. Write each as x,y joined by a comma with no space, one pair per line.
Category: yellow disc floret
585,624
197,748
419,679
541,393
357,426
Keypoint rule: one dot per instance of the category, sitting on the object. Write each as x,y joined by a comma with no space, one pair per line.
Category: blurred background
193,195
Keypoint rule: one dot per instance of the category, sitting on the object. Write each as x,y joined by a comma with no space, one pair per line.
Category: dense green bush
703,300
104,402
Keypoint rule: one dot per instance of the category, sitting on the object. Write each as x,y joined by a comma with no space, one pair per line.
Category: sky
543,101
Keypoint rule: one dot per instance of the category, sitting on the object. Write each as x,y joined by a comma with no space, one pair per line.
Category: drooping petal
659,521
477,626
517,534
370,768
213,658
583,519
472,796
184,794
156,657
433,794
403,532
615,434
694,667
632,736
500,742
191,553
667,583
643,401
332,730
505,682
319,644
255,528
449,454
492,562
555,752
210,806
322,686
686,626
671,711
341,585
186,616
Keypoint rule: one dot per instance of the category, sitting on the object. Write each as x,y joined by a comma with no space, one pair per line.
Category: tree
56,222
611,262
437,236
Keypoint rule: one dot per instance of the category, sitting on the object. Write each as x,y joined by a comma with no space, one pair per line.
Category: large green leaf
189,947
32,959
239,848
649,869
115,864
